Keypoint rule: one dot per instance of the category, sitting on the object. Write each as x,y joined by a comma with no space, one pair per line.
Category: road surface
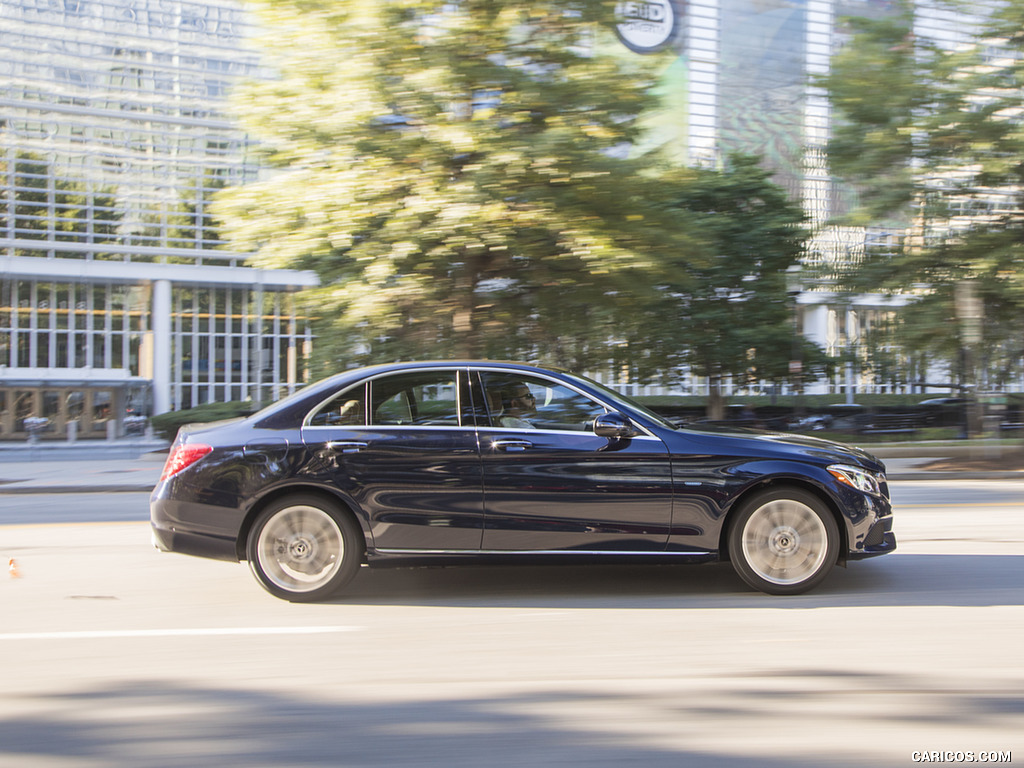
116,655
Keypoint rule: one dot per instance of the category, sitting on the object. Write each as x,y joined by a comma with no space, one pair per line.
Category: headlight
860,479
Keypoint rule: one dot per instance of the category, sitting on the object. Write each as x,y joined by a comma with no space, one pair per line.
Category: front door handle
346,446
512,446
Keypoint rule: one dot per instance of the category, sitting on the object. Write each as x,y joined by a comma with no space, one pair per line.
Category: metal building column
161,324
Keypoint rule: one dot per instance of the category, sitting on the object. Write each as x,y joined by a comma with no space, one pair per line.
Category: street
116,655
42,508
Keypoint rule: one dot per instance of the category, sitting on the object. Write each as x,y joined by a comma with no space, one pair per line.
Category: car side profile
446,462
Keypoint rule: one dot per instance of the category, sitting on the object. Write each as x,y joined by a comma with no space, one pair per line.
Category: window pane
526,402
423,399
346,410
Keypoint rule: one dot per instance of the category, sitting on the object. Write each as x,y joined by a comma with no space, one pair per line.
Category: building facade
117,298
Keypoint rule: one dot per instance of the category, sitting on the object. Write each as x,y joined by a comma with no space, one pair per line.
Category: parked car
468,462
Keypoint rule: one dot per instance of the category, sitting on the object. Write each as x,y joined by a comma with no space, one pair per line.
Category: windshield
623,401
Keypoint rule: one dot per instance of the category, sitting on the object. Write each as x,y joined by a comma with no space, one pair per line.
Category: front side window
529,402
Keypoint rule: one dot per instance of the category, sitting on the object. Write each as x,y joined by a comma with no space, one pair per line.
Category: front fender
855,511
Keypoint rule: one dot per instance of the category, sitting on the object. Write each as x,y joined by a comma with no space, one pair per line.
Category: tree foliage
454,173
736,308
464,179
931,139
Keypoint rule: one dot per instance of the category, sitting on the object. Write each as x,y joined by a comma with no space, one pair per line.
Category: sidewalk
115,466
915,469
909,461
134,465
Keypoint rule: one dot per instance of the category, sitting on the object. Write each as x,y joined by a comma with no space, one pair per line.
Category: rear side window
418,399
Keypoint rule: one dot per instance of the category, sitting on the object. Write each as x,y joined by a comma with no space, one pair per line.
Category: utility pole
969,312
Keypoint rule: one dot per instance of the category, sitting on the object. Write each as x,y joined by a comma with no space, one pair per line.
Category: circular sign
646,26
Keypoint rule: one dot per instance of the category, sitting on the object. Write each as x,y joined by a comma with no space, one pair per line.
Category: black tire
304,548
783,541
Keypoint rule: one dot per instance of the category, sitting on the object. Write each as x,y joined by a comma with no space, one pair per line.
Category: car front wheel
304,548
783,541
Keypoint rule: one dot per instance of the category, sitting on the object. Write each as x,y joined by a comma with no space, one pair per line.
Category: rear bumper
193,528
196,544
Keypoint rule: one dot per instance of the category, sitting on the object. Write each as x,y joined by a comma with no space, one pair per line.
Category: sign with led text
646,26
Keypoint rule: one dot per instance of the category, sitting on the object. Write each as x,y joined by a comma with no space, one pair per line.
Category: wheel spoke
295,523
322,531
809,528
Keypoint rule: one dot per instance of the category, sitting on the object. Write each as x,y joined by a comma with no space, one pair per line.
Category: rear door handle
346,446
512,446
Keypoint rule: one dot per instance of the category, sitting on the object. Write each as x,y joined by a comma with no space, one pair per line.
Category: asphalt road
116,655
48,508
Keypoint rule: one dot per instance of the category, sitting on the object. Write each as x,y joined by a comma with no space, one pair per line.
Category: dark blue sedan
464,462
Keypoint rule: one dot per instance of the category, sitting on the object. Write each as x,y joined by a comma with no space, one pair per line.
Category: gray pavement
134,465
86,466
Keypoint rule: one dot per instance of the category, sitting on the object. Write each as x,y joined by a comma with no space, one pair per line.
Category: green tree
731,315
465,180
458,174
930,140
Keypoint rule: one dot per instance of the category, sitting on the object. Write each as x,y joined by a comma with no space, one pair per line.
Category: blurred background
802,215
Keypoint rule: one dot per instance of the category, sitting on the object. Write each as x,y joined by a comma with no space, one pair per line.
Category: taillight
183,456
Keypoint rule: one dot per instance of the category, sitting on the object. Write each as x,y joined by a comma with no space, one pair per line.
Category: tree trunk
465,326
716,403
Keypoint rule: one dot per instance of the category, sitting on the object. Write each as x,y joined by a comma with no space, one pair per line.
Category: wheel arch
777,482
285,491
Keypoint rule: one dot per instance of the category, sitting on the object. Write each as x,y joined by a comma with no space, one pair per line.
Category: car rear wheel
304,548
783,541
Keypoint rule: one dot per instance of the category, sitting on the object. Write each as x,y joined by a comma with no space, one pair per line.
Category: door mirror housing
614,426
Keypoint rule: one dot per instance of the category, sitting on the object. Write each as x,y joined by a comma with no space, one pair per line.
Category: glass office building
117,298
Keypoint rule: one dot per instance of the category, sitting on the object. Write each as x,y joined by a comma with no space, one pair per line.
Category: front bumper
879,540
869,521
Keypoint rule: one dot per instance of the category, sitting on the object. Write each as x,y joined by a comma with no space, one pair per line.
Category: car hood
780,445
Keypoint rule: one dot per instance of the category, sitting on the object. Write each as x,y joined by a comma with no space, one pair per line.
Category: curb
939,475
70,454
30,490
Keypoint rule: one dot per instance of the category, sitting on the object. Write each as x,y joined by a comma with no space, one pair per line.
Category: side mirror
614,426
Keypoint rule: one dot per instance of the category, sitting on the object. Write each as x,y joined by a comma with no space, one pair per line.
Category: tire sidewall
741,518
351,538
